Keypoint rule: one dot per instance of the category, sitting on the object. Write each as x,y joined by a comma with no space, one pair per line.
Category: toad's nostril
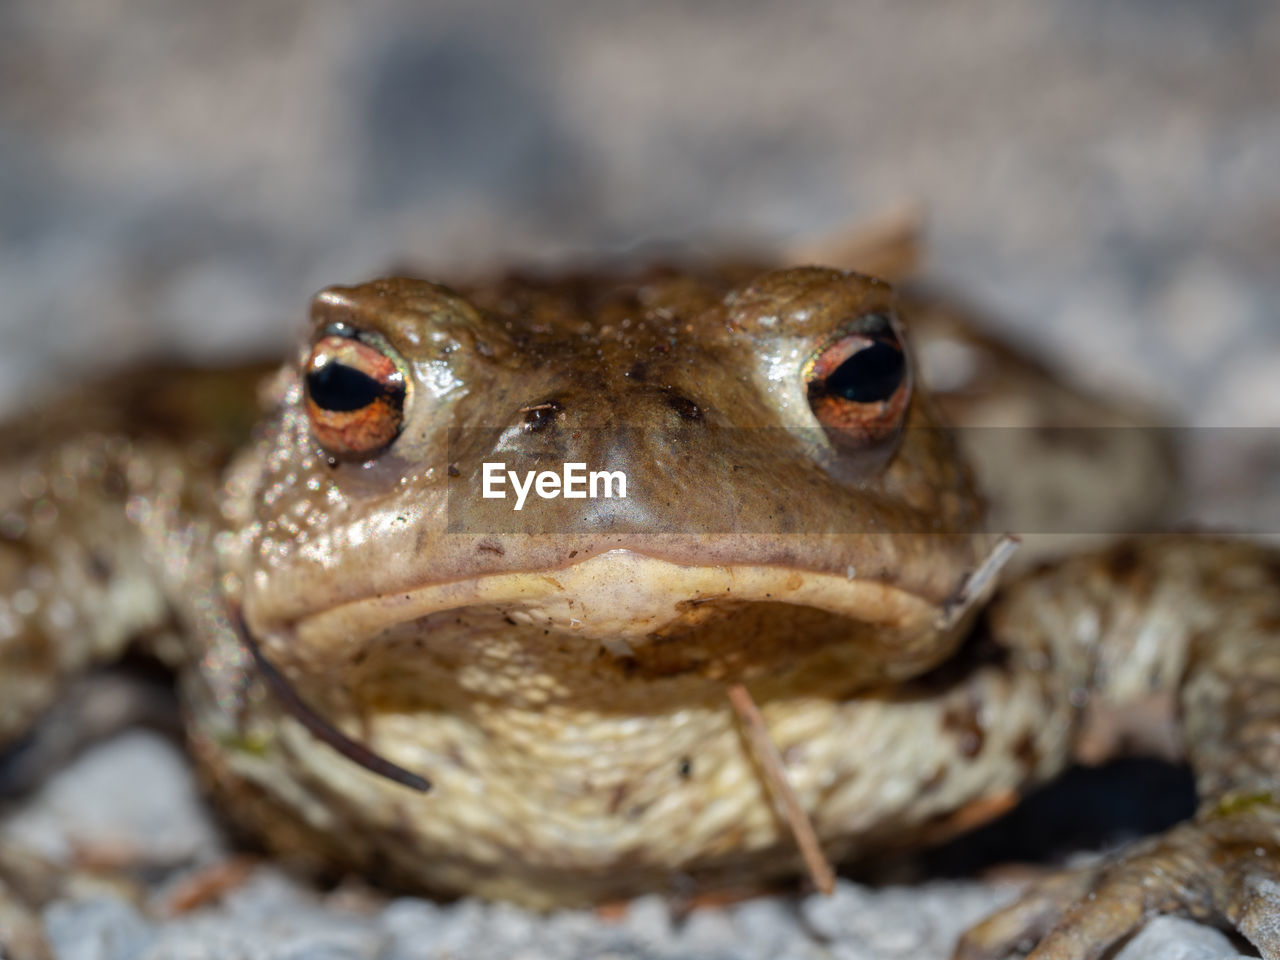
682,405
539,416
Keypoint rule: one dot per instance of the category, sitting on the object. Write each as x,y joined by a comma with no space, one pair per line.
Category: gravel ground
96,804
178,178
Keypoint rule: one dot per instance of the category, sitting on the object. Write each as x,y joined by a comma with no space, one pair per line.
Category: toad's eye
859,385
355,394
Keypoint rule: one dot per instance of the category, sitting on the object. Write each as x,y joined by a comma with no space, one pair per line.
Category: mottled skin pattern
563,683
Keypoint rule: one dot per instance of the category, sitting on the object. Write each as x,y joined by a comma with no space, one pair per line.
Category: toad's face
788,505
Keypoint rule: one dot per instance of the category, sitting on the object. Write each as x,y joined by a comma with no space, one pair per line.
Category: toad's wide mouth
620,597
613,600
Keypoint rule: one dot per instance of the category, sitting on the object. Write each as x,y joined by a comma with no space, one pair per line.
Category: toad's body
793,523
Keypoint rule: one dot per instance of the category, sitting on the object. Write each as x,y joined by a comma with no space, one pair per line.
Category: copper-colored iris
859,386
355,395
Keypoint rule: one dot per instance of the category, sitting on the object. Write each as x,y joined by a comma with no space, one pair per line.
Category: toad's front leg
74,589
108,502
80,528
97,530
1194,623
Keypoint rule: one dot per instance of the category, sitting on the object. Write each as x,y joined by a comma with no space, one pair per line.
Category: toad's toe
1023,923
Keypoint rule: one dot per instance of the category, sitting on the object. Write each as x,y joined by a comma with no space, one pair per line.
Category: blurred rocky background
1103,176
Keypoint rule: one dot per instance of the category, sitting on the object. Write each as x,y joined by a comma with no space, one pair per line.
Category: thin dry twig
975,584
210,884
770,764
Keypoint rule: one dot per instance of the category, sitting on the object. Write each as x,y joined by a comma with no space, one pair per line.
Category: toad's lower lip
618,594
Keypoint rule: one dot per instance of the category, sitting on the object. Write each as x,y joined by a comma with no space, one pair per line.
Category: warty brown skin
561,674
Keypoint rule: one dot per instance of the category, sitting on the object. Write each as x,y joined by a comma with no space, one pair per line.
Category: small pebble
1171,938
97,930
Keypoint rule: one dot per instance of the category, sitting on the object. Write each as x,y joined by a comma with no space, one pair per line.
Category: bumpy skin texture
108,499
1189,624
560,674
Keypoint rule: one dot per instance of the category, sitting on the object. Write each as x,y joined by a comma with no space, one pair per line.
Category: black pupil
340,388
869,376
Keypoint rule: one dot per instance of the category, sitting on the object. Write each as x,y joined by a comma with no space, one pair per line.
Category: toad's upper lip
617,593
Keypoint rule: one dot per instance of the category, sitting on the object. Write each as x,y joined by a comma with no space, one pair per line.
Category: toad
787,633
